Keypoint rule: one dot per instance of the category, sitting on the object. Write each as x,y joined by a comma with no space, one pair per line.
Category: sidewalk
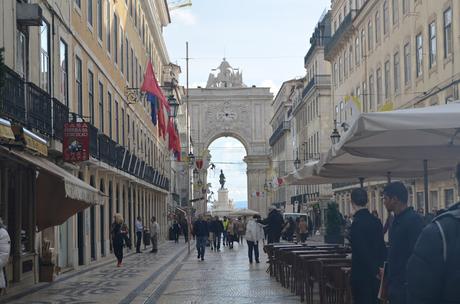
105,283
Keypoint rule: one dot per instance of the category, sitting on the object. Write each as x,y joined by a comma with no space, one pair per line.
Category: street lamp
297,161
174,104
335,136
195,173
191,159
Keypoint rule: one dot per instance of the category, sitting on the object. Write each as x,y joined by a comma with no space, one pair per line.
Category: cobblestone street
171,276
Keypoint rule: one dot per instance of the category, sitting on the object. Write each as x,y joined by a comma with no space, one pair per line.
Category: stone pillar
257,167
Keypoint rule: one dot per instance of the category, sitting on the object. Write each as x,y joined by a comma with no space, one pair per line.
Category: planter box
334,239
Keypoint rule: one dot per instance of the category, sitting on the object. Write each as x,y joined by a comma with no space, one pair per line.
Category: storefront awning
59,194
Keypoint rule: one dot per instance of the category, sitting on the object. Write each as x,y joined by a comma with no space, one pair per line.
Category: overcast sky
266,39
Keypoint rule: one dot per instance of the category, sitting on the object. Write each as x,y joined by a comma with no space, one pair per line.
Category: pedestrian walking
125,234
117,238
433,270
241,230
154,232
185,228
225,222
139,230
5,247
230,233
176,231
215,230
253,234
200,230
274,223
404,232
368,250
303,229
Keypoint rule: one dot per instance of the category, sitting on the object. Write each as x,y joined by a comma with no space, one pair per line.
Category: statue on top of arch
227,77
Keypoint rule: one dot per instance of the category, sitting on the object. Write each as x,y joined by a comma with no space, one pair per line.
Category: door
80,238
93,232
64,245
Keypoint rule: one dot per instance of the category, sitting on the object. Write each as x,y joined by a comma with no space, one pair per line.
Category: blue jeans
201,245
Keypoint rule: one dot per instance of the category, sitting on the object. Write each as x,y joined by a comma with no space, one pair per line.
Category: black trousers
253,246
138,241
118,251
365,291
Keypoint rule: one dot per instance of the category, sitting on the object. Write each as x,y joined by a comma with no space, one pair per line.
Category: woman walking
117,238
254,233
230,233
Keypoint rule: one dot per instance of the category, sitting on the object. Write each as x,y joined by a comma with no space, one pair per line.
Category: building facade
391,54
84,60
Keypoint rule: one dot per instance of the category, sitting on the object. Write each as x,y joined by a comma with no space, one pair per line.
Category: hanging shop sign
76,142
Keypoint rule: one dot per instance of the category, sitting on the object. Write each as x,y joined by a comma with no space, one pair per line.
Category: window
377,27
340,68
44,57
396,71
371,92
385,17
447,32
336,77
357,49
101,107
123,126
115,38
21,53
432,40
407,64
122,59
132,67
78,3
109,105
64,68
434,200
379,86
419,54
370,39
136,75
78,84
117,123
363,43
448,197
107,27
345,65
99,19
387,80
127,59
405,6
350,57
90,12
420,200
364,98
395,8
91,96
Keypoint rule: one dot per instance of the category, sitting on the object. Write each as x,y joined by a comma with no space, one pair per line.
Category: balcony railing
12,99
284,126
340,35
60,117
38,109
93,145
316,80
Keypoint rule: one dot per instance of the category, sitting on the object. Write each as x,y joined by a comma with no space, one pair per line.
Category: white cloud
269,83
184,17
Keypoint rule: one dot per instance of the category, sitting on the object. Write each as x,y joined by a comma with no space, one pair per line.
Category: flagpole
189,204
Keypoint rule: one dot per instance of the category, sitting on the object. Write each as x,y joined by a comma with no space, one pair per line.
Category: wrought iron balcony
38,109
341,185
283,127
93,145
12,98
315,81
60,117
342,33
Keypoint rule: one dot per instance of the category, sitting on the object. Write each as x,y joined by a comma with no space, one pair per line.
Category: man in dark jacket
201,232
368,250
406,228
433,270
274,223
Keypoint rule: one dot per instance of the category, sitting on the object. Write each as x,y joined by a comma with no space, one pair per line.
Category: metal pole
361,182
425,183
189,204
389,177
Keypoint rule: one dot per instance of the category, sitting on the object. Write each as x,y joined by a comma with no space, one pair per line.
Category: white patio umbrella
428,135
243,212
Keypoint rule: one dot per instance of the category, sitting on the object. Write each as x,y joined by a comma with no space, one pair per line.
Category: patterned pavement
171,276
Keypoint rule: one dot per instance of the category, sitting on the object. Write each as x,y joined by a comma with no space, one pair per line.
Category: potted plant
334,225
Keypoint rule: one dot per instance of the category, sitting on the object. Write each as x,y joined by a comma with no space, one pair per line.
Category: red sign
76,142
199,163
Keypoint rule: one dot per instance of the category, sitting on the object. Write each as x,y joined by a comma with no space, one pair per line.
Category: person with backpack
433,270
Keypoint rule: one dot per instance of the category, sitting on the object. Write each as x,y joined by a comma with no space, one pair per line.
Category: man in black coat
274,223
433,270
404,232
201,232
368,250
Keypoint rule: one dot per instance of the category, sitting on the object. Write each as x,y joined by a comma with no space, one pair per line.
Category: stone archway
226,107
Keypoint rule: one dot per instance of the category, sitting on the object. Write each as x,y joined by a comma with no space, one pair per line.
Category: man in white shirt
254,233
139,229
154,232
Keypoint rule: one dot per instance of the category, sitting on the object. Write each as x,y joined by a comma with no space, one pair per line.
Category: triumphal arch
229,108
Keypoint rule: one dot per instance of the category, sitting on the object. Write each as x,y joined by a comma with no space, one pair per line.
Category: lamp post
297,161
335,136
174,104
